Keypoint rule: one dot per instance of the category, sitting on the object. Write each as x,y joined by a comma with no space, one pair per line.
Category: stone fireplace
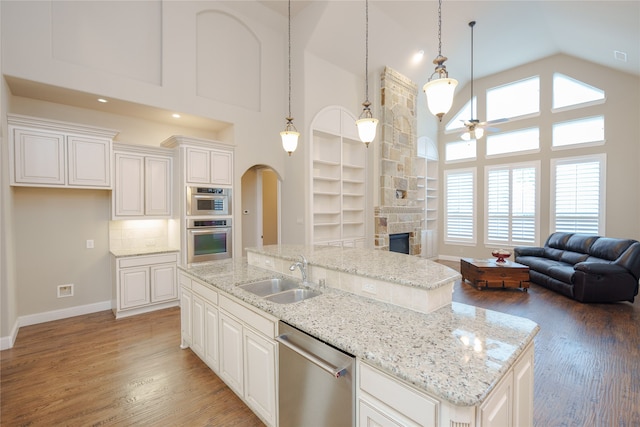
401,208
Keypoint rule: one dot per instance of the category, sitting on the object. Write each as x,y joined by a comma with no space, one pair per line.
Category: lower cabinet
144,283
235,340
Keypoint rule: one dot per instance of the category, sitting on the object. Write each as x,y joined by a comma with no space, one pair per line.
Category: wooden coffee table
487,273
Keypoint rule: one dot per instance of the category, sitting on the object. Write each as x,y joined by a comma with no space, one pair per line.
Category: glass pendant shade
473,134
367,129
289,140
439,94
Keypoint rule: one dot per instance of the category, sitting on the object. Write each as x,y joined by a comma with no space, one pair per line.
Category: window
515,99
578,194
460,150
513,142
512,195
582,131
459,205
569,92
457,123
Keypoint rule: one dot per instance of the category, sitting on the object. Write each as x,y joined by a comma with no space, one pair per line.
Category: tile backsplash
139,234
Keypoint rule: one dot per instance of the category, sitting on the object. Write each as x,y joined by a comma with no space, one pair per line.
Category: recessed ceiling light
104,101
620,56
175,115
417,57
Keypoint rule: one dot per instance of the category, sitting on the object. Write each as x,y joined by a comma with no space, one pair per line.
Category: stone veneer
400,209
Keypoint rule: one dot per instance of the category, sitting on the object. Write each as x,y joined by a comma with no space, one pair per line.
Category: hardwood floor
93,370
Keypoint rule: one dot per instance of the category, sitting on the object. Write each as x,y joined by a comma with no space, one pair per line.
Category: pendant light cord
366,55
289,33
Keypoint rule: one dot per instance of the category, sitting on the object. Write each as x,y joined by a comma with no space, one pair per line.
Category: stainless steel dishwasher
317,387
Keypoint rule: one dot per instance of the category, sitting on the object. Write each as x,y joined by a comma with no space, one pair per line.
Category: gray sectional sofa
584,267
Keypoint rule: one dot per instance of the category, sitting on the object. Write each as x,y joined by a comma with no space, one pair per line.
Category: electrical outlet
369,287
65,290
90,244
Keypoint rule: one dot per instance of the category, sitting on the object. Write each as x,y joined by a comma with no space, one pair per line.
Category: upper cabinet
48,153
143,179
203,162
209,166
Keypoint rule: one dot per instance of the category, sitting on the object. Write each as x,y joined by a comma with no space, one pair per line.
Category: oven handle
204,230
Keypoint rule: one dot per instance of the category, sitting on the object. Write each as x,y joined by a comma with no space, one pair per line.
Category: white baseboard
448,258
7,342
33,319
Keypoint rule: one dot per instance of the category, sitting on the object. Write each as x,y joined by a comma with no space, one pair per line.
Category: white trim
48,316
9,341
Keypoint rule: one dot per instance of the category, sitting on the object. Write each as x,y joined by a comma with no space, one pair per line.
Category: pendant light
474,131
366,123
290,134
440,88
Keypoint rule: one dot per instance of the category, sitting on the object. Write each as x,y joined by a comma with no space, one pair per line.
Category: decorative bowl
501,254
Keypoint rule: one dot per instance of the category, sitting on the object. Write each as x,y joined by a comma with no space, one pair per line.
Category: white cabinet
143,179
144,283
260,374
47,153
186,325
209,166
510,404
231,355
338,184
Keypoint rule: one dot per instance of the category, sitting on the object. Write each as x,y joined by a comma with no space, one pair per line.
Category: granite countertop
381,265
457,353
118,253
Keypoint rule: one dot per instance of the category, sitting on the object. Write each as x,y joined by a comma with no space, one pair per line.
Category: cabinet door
198,166
157,186
231,359
496,410
221,167
134,287
260,375
370,417
186,329
128,194
39,157
523,390
211,336
89,161
197,325
163,282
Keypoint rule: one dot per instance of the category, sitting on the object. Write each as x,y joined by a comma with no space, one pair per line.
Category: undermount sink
270,286
280,291
292,295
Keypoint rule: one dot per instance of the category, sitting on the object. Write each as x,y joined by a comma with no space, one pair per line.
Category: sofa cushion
609,248
580,243
553,253
573,257
563,272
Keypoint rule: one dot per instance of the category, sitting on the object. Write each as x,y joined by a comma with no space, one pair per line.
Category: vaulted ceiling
508,33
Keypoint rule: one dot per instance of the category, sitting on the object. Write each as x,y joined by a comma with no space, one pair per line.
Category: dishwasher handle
324,365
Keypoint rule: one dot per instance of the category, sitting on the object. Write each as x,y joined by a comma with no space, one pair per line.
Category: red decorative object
501,254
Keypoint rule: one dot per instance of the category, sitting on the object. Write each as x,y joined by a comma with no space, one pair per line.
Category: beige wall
622,147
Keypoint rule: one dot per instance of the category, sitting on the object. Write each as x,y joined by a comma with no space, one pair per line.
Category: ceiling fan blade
496,121
492,129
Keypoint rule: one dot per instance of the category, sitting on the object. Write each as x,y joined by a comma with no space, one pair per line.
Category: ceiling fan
476,128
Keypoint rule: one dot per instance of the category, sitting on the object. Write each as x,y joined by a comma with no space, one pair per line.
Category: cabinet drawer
249,317
398,396
208,294
184,280
136,261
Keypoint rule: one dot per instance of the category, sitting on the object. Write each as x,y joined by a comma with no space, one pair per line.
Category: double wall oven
208,224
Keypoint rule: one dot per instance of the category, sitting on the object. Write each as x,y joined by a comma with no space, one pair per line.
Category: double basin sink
280,291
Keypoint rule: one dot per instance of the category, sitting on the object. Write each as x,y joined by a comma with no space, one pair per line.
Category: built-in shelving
338,184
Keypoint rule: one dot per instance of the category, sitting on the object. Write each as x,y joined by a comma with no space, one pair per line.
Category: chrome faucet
302,265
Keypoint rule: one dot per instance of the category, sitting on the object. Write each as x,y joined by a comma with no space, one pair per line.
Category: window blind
459,217
577,196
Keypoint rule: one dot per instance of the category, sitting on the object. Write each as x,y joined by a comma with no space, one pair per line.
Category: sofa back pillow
630,259
558,240
609,248
573,257
581,243
552,253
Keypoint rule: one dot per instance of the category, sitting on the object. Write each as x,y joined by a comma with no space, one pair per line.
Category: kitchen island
457,356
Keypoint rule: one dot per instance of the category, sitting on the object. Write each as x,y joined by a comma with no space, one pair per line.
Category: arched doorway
260,207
